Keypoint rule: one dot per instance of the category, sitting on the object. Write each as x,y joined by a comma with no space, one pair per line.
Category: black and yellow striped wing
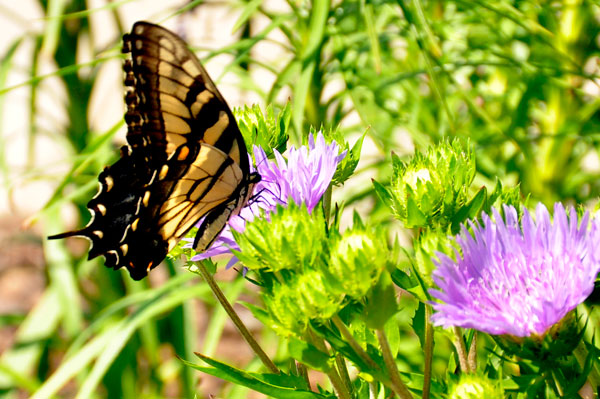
186,159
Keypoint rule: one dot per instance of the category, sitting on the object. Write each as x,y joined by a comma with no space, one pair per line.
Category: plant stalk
332,373
428,349
343,370
352,342
236,319
397,385
472,357
461,349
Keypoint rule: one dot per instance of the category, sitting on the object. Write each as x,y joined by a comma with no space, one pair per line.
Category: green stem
461,350
428,349
397,385
302,371
352,342
472,356
343,370
332,373
236,319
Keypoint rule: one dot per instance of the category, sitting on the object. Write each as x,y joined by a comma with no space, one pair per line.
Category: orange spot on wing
149,266
183,154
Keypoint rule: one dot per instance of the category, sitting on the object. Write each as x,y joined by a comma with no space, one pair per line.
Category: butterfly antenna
68,234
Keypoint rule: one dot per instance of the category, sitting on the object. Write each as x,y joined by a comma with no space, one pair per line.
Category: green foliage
269,131
289,239
476,386
516,80
308,273
275,385
426,249
431,187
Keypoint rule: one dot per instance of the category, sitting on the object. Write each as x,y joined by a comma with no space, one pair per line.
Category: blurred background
516,80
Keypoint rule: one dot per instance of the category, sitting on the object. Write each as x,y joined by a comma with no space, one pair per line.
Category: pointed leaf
255,381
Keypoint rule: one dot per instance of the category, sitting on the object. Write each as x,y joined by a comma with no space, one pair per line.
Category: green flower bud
426,245
301,298
431,187
268,131
288,239
357,259
473,386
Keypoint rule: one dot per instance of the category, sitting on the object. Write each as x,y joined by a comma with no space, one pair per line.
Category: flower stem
303,372
397,385
428,349
236,319
343,370
333,375
353,344
472,356
461,349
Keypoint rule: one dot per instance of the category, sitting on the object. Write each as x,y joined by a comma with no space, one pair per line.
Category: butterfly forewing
175,97
186,158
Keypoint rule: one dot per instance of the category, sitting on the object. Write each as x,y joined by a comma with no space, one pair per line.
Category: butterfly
185,160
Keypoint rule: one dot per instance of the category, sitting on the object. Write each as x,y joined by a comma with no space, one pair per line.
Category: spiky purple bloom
303,178
518,279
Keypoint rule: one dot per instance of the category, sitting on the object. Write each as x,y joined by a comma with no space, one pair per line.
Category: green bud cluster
266,130
426,246
308,271
430,188
474,386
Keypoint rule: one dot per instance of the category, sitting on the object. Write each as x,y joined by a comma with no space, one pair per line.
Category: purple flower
518,279
303,179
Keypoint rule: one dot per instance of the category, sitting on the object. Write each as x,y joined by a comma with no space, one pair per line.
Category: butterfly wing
186,158
173,100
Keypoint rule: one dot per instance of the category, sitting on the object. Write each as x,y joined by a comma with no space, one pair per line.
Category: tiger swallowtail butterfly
185,159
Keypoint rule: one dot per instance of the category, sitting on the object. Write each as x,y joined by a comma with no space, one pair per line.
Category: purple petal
518,278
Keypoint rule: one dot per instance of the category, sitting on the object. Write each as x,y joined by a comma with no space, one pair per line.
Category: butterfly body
185,160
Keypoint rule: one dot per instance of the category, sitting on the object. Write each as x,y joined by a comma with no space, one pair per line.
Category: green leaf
418,323
248,11
381,303
316,28
301,93
470,210
403,280
40,324
280,387
340,344
348,165
383,193
309,355
414,216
